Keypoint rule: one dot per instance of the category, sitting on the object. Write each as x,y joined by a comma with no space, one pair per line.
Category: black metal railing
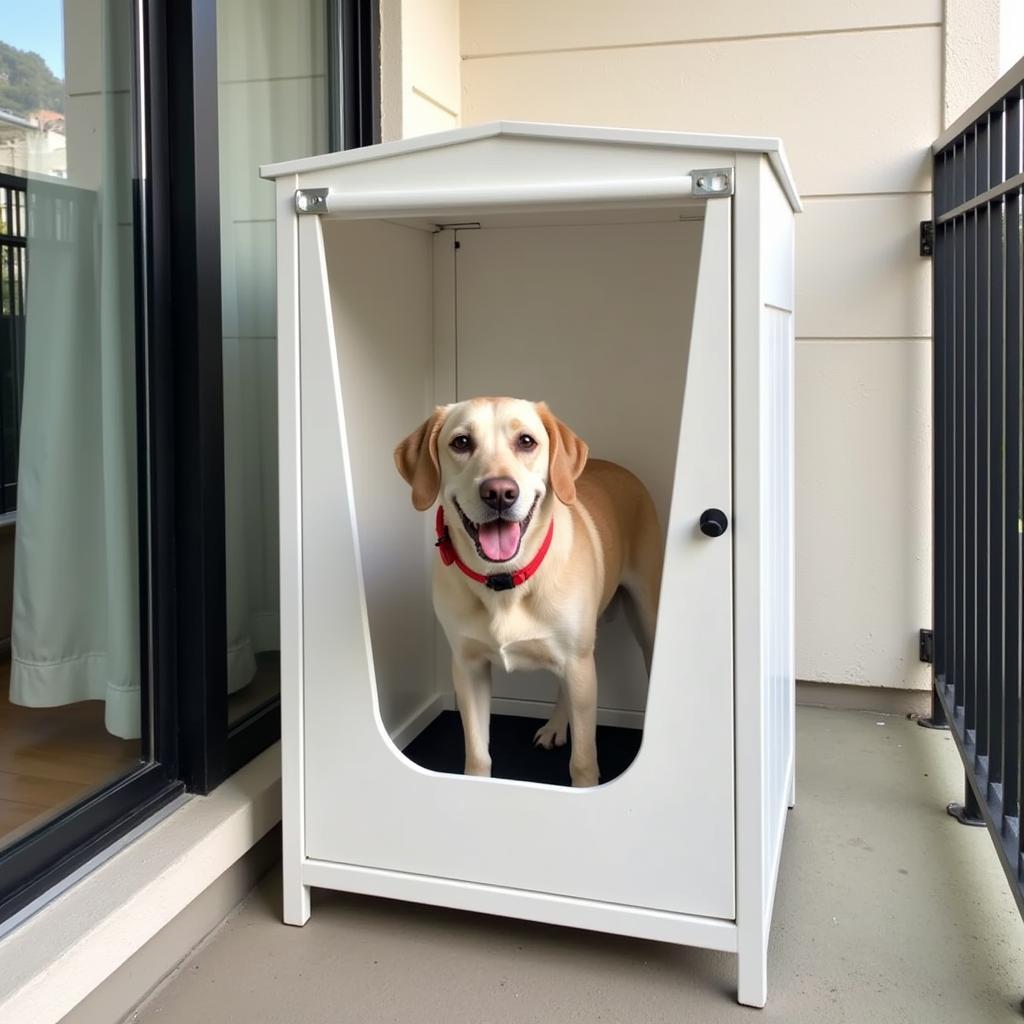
977,458
13,271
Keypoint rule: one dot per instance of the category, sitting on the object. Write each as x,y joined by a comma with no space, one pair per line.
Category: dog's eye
526,442
461,443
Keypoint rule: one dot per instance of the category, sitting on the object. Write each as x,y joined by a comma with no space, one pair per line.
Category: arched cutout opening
588,311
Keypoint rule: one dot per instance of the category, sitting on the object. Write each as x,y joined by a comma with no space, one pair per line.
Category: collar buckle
500,581
445,548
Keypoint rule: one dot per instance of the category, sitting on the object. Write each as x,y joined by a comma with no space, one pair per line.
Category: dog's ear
568,455
417,461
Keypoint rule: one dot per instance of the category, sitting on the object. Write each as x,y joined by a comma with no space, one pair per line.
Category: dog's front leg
581,688
553,733
472,681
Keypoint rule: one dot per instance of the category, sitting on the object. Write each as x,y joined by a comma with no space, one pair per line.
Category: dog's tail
642,578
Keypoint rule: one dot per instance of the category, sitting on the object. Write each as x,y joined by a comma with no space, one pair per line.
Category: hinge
712,181
926,646
927,240
311,200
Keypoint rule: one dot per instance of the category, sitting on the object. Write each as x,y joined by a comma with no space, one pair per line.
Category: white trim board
592,915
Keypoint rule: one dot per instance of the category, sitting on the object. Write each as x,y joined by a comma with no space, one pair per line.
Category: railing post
937,718
967,813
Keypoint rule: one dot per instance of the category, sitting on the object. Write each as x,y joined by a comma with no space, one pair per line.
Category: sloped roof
771,147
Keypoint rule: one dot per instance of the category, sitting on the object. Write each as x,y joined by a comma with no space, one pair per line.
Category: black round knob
713,522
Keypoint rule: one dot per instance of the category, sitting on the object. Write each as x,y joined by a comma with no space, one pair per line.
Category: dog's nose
499,492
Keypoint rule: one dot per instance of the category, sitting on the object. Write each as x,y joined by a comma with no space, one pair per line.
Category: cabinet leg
752,964
296,900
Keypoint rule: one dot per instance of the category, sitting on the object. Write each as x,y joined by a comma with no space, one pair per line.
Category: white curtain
250,498
75,629
76,615
272,105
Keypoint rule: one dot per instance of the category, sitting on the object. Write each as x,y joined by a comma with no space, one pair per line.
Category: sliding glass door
138,484
71,688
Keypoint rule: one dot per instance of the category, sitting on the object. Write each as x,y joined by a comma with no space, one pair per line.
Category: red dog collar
497,580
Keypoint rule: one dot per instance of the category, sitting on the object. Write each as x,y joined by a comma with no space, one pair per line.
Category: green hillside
26,83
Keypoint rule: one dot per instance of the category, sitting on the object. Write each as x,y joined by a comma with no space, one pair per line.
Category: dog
535,540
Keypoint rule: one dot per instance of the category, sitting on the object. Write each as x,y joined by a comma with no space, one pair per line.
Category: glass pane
272,61
70,693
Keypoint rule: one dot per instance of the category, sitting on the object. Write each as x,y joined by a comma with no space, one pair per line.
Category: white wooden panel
750,419
859,271
594,320
857,111
484,831
777,538
385,355
494,154
517,160
517,26
444,394
444,316
295,894
778,247
863,465
448,205
530,906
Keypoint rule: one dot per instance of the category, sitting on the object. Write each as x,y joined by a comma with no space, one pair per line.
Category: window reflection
70,686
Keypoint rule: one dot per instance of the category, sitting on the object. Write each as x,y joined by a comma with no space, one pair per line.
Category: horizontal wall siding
519,26
855,90
863,487
830,98
859,272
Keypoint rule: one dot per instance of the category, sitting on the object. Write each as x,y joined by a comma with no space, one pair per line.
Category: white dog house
642,284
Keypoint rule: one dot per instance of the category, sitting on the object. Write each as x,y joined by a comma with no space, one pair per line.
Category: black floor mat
513,755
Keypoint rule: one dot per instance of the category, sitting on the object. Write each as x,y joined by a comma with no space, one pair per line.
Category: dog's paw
551,734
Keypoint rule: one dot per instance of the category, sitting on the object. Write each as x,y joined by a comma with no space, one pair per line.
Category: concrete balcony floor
888,911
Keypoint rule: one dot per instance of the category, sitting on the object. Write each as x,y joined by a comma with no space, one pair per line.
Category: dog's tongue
499,539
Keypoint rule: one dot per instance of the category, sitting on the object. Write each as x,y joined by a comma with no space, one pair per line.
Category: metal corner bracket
311,200
712,181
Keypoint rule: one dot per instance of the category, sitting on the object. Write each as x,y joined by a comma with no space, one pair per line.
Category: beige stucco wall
971,52
857,91
420,67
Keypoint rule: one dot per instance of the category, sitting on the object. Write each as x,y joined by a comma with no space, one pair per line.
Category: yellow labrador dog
535,541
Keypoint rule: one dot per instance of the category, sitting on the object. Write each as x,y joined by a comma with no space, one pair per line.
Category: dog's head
497,464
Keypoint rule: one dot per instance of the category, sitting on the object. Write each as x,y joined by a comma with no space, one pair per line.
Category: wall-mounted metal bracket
926,646
311,200
459,225
714,181
926,245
